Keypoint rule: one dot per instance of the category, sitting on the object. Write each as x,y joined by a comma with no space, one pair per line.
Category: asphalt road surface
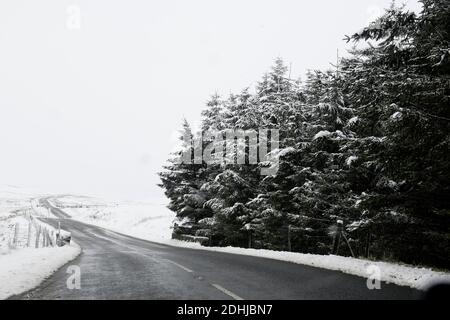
116,266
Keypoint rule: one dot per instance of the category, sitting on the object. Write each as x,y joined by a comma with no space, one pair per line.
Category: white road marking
109,239
132,250
180,266
118,235
227,292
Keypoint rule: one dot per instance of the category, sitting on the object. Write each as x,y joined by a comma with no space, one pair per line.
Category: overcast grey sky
92,109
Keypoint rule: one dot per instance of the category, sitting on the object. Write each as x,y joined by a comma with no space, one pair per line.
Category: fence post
38,234
54,238
367,245
29,233
348,244
50,243
337,236
289,238
16,233
45,237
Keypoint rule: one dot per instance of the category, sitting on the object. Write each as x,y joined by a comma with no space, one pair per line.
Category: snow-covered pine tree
314,173
401,87
182,180
368,144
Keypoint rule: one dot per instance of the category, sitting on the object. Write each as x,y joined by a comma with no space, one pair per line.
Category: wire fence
33,233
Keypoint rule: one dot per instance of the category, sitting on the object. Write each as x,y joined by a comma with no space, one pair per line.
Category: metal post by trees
337,237
367,245
289,238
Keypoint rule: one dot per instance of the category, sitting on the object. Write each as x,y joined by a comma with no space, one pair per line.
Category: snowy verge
24,269
399,274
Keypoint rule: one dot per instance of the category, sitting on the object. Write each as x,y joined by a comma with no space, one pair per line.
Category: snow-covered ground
24,269
153,222
142,220
22,266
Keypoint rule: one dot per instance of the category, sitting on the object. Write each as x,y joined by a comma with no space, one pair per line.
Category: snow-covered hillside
148,221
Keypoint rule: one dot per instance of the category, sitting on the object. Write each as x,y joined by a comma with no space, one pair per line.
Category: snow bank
22,270
403,275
